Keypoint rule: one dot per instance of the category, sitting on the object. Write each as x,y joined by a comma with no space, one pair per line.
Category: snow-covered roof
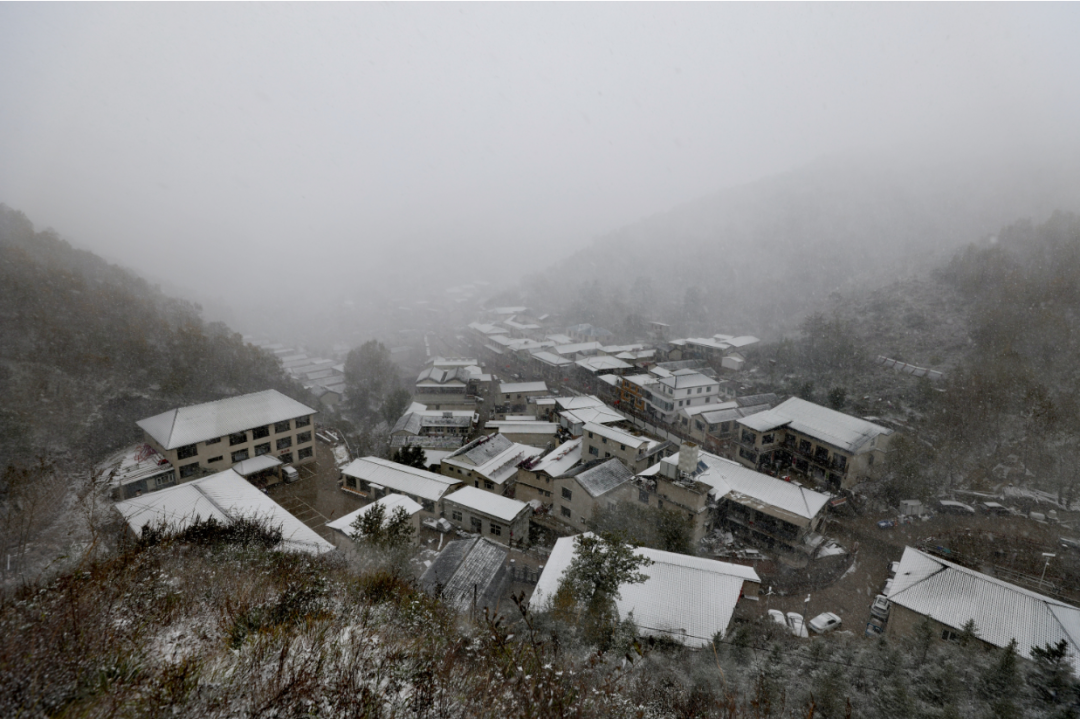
444,376
198,423
512,387
953,595
493,457
453,362
577,347
400,478
493,505
533,427
487,329
617,435
390,502
601,476
551,359
581,402
681,380
255,464
599,363
468,571
688,599
745,486
596,415
224,496
836,428
560,339
560,459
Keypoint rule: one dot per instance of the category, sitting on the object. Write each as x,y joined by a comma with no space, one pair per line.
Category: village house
636,451
686,599
713,424
551,366
489,462
521,431
581,489
768,511
833,449
469,575
446,388
711,349
684,388
948,595
587,333
534,481
577,350
213,436
514,396
499,519
432,429
375,478
632,391
225,497
344,535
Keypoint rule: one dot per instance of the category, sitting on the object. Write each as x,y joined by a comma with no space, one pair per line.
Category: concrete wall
462,518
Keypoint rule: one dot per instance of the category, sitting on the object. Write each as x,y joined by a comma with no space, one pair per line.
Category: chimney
688,458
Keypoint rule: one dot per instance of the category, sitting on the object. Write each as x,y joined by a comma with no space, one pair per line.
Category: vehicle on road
946,506
824,622
795,623
880,607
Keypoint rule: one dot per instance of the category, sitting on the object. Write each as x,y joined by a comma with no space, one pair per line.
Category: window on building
189,470
607,454
495,529
186,452
212,441
260,432
215,459
870,461
566,511
261,449
238,438
590,435
488,485
239,455
303,421
949,635
303,437
622,447
749,437
456,515
604,440
286,457
768,438
350,481
428,505
284,442
567,494
594,451
804,446
304,453
476,524
280,427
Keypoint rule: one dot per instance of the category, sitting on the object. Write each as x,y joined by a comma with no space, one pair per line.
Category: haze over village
580,360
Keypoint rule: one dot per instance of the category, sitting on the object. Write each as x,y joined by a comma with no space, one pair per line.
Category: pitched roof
596,415
494,505
731,479
493,457
467,571
617,435
255,464
688,599
836,428
600,476
682,380
390,502
952,594
400,478
224,496
600,363
509,387
558,460
198,423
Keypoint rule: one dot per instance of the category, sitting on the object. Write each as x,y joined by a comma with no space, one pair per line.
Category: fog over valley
591,360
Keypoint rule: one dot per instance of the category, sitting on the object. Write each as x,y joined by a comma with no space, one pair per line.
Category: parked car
880,607
290,474
875,627
795,623
777,616
1069,543
824,622
995,508
888,587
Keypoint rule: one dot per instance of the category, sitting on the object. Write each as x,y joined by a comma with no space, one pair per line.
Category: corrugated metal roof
493,457
601,476
188,425
400,478
509,387
468,571
688,599
560,459
255,464
482,449
617,435
223,496
494,505
953,595
390,502
601,362
835,428
596,415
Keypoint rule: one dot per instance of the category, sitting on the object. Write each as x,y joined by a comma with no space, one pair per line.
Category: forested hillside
757,258
89,347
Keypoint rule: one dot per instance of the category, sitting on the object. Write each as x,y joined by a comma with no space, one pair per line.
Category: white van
290,474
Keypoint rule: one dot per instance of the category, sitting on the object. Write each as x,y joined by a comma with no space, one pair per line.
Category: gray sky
229,144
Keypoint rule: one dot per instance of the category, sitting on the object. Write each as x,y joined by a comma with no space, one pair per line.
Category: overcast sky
226,145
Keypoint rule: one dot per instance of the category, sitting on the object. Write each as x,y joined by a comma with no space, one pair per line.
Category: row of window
189,470
192,450
476,524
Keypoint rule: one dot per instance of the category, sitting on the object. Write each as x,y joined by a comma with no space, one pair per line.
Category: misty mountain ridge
764,254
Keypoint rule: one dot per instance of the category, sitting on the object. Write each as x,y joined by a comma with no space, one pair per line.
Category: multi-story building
446,388
375,478
212,437
499,519
514,396
582,489
831,448
490,462
535,477
684,388
636,451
